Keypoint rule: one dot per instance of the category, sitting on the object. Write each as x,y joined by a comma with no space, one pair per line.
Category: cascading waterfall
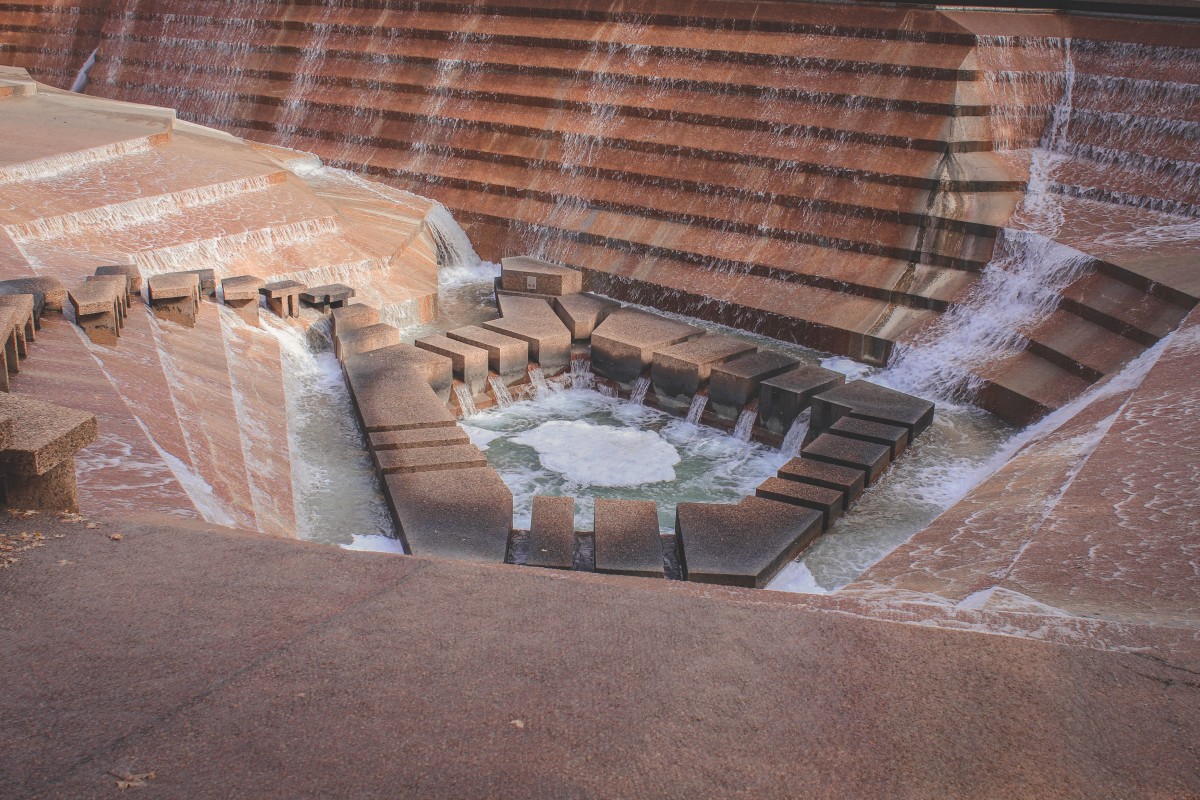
1018,287
696,409
637,395
465,401
745,424
606,391
537,379
581,376
81,79
503,398
794,439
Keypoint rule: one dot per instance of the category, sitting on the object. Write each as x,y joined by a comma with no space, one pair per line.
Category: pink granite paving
370,675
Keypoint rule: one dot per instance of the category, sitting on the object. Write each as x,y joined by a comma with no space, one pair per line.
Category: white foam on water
374,543
595,455
796,577
480,437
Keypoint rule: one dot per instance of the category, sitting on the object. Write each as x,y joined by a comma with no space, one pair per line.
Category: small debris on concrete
519,724
131,780
12,544
116,537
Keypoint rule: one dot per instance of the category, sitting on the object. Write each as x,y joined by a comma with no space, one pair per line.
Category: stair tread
1125,304
1086,343
1035,378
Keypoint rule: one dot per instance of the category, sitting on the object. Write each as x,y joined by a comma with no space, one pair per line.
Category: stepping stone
850,481
623,346
470,363
129,270
9,355
120,284
869,457
507,356
892,436
241,294
333,295
529,274
464,514
782,398
175,297
52,291
627,538
581,313
535,323
95,307
744,544
429,459
399,388
552,533
873,403
37,462
365,339
207,280
734,383
283,297
830,502
418,437
347,318
24,318
679,371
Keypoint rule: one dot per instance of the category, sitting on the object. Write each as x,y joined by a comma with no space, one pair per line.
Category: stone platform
364,674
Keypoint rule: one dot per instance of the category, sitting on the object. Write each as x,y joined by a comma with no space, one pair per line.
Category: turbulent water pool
578,442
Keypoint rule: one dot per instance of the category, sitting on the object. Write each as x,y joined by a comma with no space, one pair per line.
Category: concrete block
506,355
22,309
96,312
463,514
871,402
552,533
627,538
329,296
241,294
895,437
417,437
123,283
623,346
869,457
534,322
830,502
782,398
744,544
399,388
206,280
733,384
850,481
129,270
529,274
681,370
37,462
470,363
429,459
52,291
365,339
353,316
175,297
581,313
283,297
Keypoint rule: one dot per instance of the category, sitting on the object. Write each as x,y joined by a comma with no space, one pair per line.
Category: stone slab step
850,481
744,544
1084,348
429,459
1024,387
829,448
417,437
463,514
1122,308
552,533
830,502
627,538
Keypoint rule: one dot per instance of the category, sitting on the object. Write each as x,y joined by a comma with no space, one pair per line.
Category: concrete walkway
234,665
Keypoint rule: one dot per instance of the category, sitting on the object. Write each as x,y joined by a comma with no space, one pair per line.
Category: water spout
537,380
503,398
581,373
744,428
638,395
696,409
795,437
465,401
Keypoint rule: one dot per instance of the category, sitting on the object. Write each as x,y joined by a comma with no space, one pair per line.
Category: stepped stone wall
191,419
836,175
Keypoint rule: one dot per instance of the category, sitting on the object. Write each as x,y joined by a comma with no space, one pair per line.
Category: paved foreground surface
231,665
